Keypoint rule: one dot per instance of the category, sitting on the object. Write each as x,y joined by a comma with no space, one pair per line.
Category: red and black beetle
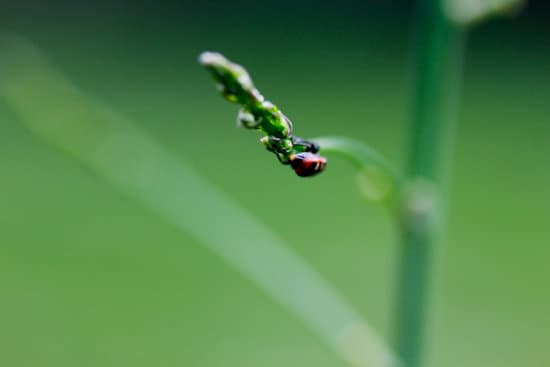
307,164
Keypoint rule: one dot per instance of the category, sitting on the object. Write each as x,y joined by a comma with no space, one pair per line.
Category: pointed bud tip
211,58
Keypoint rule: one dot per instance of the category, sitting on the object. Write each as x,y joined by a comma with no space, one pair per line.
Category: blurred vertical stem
439,48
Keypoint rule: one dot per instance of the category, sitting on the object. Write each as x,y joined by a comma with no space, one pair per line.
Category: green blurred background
89,277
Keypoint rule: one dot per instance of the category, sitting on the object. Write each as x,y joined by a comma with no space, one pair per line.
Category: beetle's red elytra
307,164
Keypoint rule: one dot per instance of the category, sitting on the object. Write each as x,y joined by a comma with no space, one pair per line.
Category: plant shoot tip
211,58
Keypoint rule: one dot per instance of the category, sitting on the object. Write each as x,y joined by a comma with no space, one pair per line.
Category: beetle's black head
305,146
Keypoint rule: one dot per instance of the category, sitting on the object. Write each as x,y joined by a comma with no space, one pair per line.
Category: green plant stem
379,181
359,153
438,66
